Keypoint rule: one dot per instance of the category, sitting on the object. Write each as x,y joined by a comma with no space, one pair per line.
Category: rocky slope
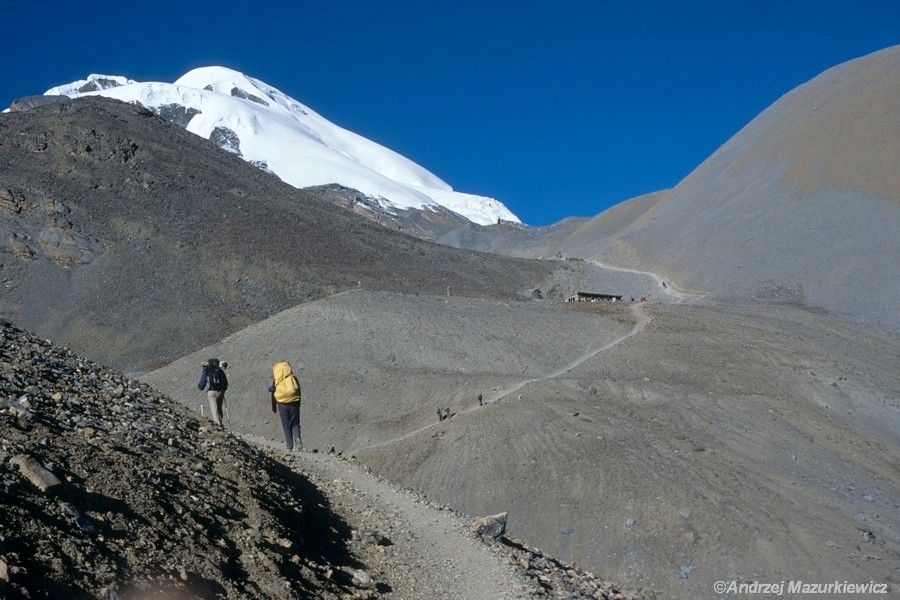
136,242
110,489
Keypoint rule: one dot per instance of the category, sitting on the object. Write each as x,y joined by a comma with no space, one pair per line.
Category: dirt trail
680,296
426,550
642,320
432,554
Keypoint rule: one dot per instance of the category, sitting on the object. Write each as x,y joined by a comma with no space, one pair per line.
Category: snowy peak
275,132
93,83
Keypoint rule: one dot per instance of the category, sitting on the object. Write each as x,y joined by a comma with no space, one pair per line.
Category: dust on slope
137,242
642,319
736,418
712,446
375,364
111,490
800,206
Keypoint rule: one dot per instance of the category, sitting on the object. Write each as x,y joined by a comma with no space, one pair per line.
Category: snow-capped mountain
277,133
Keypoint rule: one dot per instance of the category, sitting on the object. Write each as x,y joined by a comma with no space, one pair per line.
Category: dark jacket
205,378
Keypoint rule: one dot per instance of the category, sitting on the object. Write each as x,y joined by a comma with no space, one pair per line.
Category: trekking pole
201,410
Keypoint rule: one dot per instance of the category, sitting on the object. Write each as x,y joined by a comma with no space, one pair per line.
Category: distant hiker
286,396
440,414
664,285
480,400
213,376
643,299
632,298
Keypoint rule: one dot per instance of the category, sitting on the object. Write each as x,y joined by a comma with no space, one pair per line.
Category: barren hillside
801,206
137,242
669,446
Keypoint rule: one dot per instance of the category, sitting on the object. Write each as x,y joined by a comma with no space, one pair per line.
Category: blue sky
556,108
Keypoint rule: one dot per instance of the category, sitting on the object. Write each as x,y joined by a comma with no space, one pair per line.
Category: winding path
642,319
680,297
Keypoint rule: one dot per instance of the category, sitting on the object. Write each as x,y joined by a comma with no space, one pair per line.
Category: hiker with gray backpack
213,380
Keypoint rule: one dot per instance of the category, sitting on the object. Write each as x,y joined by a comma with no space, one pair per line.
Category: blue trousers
290,421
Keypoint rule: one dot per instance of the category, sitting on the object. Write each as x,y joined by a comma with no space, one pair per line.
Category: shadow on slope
147,500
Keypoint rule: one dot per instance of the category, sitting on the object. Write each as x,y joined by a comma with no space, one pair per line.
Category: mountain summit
279,134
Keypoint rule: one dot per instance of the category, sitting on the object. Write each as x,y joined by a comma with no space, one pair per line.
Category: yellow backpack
287,388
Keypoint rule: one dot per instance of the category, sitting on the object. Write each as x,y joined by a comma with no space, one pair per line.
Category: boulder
361,579
492,526
35,472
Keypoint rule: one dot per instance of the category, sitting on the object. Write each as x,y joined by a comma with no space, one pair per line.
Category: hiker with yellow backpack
285,391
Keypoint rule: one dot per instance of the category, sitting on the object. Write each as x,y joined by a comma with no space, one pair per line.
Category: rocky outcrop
492,526
110,489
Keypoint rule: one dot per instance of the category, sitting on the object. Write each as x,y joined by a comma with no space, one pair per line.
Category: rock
361,579
684,571
4,570
57,396
492,526
70,509
371,536
630,522
86,525
35,472
88,432
685,514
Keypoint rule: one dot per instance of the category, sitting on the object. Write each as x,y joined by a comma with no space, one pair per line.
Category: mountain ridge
798,207
273,131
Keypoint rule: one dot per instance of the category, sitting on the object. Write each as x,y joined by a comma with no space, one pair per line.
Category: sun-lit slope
802,205
713,445
767,429
278,133
374,365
